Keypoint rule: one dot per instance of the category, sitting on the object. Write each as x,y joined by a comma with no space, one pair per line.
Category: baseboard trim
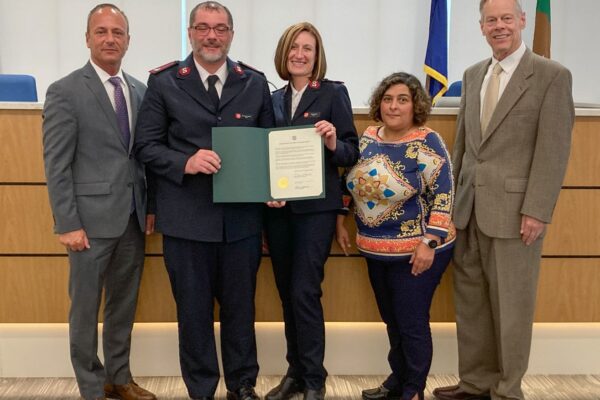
41,350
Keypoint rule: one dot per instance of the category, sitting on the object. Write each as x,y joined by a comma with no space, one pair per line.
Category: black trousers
201,272
404,301
299,245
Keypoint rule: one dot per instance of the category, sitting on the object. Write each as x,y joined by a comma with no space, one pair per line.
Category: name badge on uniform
243,116
308,115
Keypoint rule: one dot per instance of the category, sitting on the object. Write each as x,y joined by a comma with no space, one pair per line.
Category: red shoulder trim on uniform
163,67
246,66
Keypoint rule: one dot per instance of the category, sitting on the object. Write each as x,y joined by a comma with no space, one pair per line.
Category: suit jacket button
219,118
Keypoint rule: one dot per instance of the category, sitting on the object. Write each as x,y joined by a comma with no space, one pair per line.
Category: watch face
432,243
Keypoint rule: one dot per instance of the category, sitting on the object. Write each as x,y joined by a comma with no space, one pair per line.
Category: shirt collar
103,75
298,93
204,74
509,64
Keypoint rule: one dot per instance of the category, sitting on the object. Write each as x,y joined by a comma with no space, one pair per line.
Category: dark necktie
212,90
121,110
122,120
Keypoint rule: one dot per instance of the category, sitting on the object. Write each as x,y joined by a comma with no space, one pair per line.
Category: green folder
245,171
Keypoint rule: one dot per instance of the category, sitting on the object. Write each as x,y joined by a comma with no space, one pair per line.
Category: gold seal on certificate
283,182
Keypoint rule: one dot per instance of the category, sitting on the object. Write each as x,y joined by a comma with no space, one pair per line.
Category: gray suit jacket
90,171
519,166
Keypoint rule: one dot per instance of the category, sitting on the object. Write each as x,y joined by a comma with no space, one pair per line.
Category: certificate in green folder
259,165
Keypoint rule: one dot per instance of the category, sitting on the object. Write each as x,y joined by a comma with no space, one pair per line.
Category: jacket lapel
512,93
308,97
135,105
285,104
188,79
236,79
475,114
97,88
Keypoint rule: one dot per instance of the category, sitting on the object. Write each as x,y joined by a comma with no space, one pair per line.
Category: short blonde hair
285,45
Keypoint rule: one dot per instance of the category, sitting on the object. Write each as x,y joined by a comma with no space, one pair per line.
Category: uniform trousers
404,301
115,265
201,272
299,245
495,283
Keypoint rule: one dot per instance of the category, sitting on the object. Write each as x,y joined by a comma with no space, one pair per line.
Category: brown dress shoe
454,392
129,391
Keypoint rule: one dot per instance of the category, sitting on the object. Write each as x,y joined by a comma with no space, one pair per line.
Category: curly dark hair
420,98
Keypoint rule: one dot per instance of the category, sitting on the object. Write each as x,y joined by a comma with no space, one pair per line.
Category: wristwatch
432,243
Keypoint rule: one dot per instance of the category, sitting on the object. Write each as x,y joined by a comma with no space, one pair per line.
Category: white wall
364,40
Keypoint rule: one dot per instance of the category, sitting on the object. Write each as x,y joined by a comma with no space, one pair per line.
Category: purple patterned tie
121,110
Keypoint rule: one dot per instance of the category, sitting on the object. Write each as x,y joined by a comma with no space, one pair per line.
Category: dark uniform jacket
174,122
322,100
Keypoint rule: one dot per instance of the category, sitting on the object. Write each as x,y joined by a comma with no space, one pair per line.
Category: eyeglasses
203,29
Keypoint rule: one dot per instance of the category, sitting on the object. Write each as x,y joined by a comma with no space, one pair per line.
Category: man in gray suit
98,197
510,156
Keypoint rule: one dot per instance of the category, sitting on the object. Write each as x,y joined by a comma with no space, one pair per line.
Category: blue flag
436,59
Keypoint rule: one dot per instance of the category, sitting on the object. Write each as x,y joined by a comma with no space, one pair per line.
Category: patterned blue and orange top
401,190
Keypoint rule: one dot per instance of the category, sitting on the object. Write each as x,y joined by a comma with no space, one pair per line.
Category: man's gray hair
212,6
517,6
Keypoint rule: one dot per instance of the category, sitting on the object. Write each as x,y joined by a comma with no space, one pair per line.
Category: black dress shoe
380,393
286,389
204,398
314,394
243,393
454,392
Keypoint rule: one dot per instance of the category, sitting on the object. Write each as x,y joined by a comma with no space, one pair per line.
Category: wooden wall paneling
33,289
21,151
27,224
568,290
575,228
584,164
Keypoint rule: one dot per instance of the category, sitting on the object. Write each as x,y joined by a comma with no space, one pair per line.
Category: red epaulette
246,66
163,67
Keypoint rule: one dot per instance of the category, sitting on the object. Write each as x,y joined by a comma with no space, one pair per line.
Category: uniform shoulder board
246,66
163,67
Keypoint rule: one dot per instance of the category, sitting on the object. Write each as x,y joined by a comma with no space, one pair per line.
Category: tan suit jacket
519,166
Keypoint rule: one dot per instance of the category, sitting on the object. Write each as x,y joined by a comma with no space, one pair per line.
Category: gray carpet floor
536,387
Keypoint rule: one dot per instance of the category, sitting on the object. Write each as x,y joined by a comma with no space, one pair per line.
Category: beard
212,57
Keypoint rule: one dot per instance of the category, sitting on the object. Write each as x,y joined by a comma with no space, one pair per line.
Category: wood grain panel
33,289
575,228
21,157
27,224
584,164
568,290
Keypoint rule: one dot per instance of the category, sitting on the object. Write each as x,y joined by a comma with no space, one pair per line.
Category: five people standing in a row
508,163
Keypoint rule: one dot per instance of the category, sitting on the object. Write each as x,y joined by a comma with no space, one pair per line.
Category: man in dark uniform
211,250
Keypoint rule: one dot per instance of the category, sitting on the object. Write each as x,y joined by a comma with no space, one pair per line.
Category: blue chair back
17,88
454,89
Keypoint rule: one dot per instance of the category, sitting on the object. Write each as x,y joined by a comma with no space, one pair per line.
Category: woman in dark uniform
299,234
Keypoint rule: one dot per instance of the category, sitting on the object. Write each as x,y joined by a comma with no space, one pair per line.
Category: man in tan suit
510,156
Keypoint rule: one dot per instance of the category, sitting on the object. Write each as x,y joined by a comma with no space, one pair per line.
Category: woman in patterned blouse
403,192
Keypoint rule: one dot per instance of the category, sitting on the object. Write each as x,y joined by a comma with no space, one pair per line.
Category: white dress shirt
221,73
110,89
509,64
